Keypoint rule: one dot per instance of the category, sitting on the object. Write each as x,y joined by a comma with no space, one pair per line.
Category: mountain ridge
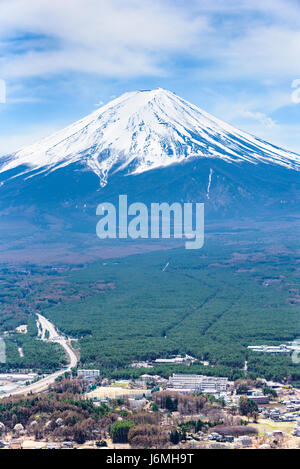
141,131
54,186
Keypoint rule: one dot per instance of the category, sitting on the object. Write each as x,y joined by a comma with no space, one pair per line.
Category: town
183,411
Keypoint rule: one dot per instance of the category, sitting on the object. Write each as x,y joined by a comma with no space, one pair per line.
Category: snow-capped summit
140,131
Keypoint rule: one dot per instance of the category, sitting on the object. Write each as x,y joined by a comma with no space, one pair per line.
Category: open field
266,425
115,392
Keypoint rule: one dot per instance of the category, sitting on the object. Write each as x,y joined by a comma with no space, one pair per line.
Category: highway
44,383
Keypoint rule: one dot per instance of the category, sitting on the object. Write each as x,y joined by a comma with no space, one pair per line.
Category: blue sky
236,59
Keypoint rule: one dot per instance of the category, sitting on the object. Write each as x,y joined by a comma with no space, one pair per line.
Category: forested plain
210,304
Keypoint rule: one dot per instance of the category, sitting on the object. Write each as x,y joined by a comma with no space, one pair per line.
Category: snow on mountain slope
143,130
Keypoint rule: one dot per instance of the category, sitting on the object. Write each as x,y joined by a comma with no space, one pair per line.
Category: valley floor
238,291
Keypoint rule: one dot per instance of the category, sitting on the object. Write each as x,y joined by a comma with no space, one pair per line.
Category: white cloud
112,38
263,52
247,105
235,38
252,43
100,103
283,135
265,120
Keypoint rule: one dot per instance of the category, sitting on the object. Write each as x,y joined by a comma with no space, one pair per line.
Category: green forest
210,304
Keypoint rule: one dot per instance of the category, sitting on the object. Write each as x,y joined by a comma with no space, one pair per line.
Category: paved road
44,383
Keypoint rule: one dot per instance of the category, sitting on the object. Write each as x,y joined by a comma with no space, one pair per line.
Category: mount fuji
153,146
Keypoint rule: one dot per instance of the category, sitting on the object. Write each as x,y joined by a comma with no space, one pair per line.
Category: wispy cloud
112,38
134,37
265,120
229,45
235,38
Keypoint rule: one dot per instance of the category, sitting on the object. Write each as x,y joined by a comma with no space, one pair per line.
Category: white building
8,388
88,375
16,377
274,349
198,383
176,359
22,329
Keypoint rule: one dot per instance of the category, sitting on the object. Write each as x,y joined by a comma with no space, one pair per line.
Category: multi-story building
198,383
273,349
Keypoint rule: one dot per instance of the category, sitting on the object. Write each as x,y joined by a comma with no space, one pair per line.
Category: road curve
44,383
